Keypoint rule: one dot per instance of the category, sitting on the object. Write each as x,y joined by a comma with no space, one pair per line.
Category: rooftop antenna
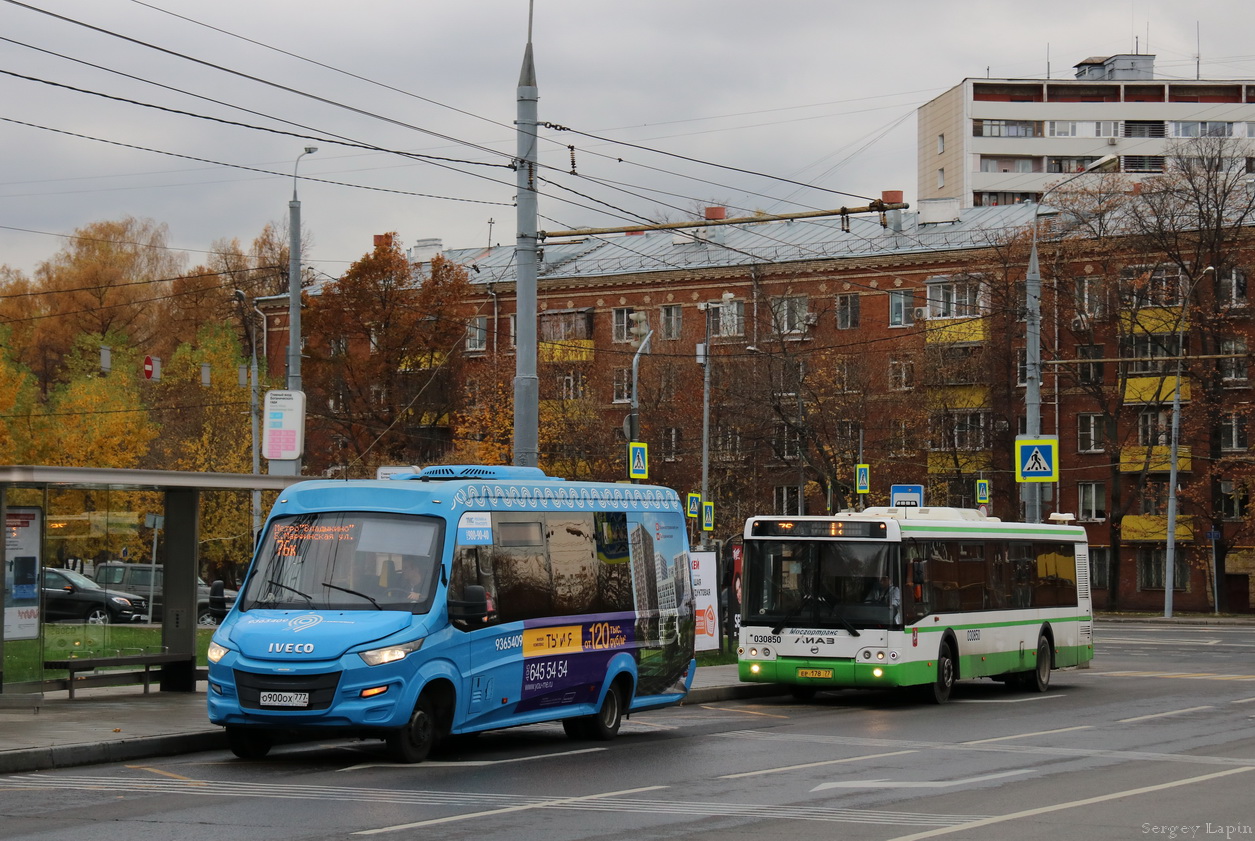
1198,52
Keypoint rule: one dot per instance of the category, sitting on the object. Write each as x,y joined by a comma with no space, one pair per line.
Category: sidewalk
122,724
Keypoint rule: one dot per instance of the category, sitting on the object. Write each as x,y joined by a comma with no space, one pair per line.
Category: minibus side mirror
472,605
218,600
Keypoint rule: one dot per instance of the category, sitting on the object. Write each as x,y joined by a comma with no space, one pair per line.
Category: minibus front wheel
412,742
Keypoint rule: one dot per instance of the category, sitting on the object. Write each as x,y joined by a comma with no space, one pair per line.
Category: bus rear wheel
603,725
412,742
1037,679
939,691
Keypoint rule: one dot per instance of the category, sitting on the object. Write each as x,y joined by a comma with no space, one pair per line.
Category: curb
125,750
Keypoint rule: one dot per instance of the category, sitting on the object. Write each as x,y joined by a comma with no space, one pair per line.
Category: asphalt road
1155,741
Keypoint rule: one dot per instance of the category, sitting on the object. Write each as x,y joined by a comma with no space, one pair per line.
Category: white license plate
285,699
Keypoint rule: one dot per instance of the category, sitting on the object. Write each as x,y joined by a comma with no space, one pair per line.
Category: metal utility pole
292,467
526,384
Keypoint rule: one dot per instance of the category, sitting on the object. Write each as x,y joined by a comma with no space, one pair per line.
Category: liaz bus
895,597
455,600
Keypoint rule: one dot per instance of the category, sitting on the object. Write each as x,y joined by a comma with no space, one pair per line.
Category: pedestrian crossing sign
708,516
1036,459
862,478
638,460
694,504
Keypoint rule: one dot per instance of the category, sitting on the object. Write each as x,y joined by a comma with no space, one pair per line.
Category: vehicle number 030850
763,638
973,634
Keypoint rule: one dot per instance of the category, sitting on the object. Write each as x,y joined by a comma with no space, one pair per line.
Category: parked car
139,578
73,597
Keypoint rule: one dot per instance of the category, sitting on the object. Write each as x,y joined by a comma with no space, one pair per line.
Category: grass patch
23,659
716,658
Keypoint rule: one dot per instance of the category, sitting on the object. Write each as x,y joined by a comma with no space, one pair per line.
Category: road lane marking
1026,735
744,711
169,774
921,784
1073,804
1161,715
1026,700
506,810
436,764
814,764
1176,675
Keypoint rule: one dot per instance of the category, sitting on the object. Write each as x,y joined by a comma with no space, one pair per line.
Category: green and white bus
895,597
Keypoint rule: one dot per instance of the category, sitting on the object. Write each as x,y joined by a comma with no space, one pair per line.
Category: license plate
285,699
814,673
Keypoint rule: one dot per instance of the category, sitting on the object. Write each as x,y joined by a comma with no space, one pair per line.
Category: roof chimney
714,213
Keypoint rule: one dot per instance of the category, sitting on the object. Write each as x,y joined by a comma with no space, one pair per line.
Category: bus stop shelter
180,496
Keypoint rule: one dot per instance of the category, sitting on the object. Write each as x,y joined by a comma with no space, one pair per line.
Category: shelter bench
87,664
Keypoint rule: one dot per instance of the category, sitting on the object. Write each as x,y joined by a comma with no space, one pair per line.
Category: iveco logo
290,648
300,623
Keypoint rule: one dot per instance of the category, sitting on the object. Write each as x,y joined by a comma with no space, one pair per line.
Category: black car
71,596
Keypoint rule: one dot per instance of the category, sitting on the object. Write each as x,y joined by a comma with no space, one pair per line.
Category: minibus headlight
390,653
216,652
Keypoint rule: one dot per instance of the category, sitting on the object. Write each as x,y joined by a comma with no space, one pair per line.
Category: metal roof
779,242
123,479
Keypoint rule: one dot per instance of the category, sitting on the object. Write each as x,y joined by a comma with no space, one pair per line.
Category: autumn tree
384,363
113,278
19,405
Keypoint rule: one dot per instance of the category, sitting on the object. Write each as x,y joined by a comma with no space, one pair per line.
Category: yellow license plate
814,673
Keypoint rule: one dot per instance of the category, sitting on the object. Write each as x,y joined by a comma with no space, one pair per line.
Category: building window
847,311
1233,432
788,441
848,434
1153,429
1233,500
1154,498
1091,500
1069,164
953,298
1233,362
622,385
671,322
787,499
726,442
941,177
477,334
338,346
961,431
1146,352
1231,288
1108,128
1021,367
941,144
1090,433
1158,286
901,438
902,374
514,322
623,324
1006,128
1089,373
789,314
1061,128
901,307
1100,567
1201,128
565,326
727,319
1091,295
571,385
1151,565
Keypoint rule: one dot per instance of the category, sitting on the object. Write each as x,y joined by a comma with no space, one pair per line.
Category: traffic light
639,331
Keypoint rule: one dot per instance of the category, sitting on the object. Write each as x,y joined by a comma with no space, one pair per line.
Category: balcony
1157,459
1154,528
1155,388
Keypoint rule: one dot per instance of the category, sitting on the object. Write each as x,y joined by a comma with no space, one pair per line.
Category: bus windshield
824,584
354,560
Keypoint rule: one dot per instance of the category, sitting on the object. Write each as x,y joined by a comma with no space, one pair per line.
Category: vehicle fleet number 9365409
545,670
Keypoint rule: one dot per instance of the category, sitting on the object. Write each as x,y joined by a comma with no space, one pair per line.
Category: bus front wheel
939,691
249,743
412,742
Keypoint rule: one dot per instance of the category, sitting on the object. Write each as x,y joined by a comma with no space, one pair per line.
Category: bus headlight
390,653
216,652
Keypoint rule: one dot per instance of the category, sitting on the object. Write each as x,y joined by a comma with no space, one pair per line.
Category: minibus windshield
346,560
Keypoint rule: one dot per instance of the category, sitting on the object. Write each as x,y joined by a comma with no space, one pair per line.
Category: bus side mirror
218,600
472,605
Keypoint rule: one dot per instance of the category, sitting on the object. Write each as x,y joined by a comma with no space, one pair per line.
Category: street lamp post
294,291
703,359
1032,338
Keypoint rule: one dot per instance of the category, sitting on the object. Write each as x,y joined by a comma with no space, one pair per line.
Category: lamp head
309,150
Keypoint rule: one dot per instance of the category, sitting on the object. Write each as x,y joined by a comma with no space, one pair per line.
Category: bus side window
473,565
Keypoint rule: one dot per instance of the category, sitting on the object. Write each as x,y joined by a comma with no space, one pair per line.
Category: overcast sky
813,91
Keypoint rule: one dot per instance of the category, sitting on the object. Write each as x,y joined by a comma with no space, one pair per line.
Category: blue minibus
454,600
